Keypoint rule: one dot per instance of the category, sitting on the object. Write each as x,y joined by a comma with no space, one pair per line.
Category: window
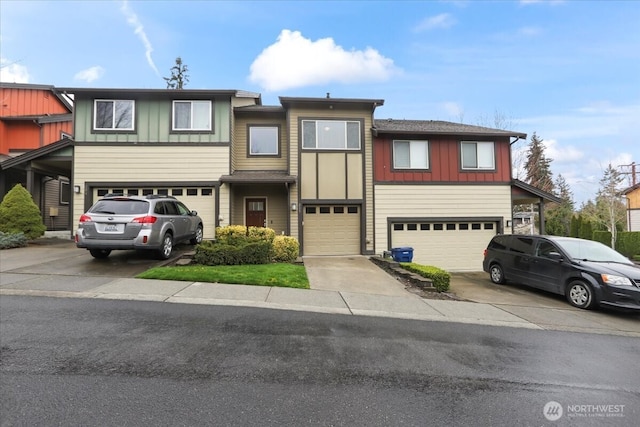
330,135
113,114
191,115
410,155
477,155
398,227
65,192
263,141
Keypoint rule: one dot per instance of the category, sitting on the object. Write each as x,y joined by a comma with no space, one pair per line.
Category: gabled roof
158,93
28,86
329,102
535,191
631,189
437,127
34,154
260,108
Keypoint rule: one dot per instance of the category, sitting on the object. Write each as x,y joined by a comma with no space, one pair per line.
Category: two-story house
322,170
35,123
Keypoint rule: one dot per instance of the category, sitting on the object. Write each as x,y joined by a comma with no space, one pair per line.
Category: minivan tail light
149,219
85,218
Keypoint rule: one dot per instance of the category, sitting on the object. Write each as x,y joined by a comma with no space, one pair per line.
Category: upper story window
113,114
263,141
478,155
192,115
331,134
410,155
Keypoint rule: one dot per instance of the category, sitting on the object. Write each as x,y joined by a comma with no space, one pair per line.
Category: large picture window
191,115
410,155
331,134
263,141
478,155
113,114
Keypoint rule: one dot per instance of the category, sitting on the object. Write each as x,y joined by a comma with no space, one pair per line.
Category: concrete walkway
346,286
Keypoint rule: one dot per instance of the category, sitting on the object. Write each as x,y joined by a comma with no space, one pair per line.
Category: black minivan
588,273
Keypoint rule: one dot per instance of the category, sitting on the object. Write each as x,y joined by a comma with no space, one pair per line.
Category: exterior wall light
76,189
294,207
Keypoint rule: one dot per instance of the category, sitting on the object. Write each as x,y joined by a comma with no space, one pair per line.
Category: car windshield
591,251
120,207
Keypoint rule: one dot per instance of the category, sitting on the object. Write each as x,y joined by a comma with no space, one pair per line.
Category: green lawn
280,274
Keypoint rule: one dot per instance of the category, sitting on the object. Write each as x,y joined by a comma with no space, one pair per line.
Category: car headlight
610,279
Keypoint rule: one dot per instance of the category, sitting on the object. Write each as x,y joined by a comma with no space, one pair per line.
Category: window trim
359,122
478,168
191,129
409,168
114,129
250,127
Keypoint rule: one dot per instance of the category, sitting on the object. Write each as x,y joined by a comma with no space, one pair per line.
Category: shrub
19,214
602,237
239,234
285,249
440,278
13,240
628,243
210,253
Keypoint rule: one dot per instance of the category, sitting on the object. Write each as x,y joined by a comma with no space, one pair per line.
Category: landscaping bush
628,243
210,253
440,278
19,214
603,237
285,249
12,240
239,234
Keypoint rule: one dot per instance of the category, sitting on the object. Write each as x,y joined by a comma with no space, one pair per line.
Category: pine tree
538,166
559,215
179,77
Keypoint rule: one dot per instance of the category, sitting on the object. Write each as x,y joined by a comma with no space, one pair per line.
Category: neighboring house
318,169
32,118
632,194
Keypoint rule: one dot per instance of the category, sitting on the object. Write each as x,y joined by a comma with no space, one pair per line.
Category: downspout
41,141
517,138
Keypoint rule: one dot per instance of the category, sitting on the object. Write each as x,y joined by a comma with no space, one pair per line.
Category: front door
256,213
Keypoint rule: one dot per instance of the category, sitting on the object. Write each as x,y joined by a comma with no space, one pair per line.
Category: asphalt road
95,362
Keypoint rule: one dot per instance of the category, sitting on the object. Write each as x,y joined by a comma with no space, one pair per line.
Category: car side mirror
555,256
193,213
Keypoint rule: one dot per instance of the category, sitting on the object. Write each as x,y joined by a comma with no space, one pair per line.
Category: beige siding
438,201
148,164
241,141
634,219
332,176
354,176
308,179
277,205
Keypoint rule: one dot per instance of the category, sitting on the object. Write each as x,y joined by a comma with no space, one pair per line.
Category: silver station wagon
154,222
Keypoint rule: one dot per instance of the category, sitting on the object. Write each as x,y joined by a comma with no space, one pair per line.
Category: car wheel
100,253
197,238
167,247
496,274
579,294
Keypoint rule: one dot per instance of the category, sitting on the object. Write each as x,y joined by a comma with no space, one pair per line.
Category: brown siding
444,157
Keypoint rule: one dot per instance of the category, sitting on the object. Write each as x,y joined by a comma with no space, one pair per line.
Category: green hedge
239,234
440,278
628,243
12,240
603,237
20,214
215,253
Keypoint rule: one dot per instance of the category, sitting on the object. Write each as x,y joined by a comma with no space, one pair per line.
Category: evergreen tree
538,166
610,210
179,77
20,214
560,215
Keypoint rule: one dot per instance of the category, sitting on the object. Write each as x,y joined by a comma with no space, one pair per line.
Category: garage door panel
331,230
454,246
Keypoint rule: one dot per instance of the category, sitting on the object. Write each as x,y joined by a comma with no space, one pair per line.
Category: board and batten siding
153,124
241,159
130,164
294,116
437,201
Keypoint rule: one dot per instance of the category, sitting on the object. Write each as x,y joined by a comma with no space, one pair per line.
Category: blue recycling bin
404,254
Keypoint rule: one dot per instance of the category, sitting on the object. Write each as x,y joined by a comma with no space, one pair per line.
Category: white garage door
452,246
331,230
200,199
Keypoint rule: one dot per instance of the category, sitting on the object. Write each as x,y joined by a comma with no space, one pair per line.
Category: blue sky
567,70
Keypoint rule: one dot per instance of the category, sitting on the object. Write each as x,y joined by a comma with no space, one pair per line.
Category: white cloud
12,72
561,154
134,22
444,20
90,74
294,61
453,109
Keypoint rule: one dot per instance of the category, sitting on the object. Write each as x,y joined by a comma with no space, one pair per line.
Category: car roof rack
148,196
